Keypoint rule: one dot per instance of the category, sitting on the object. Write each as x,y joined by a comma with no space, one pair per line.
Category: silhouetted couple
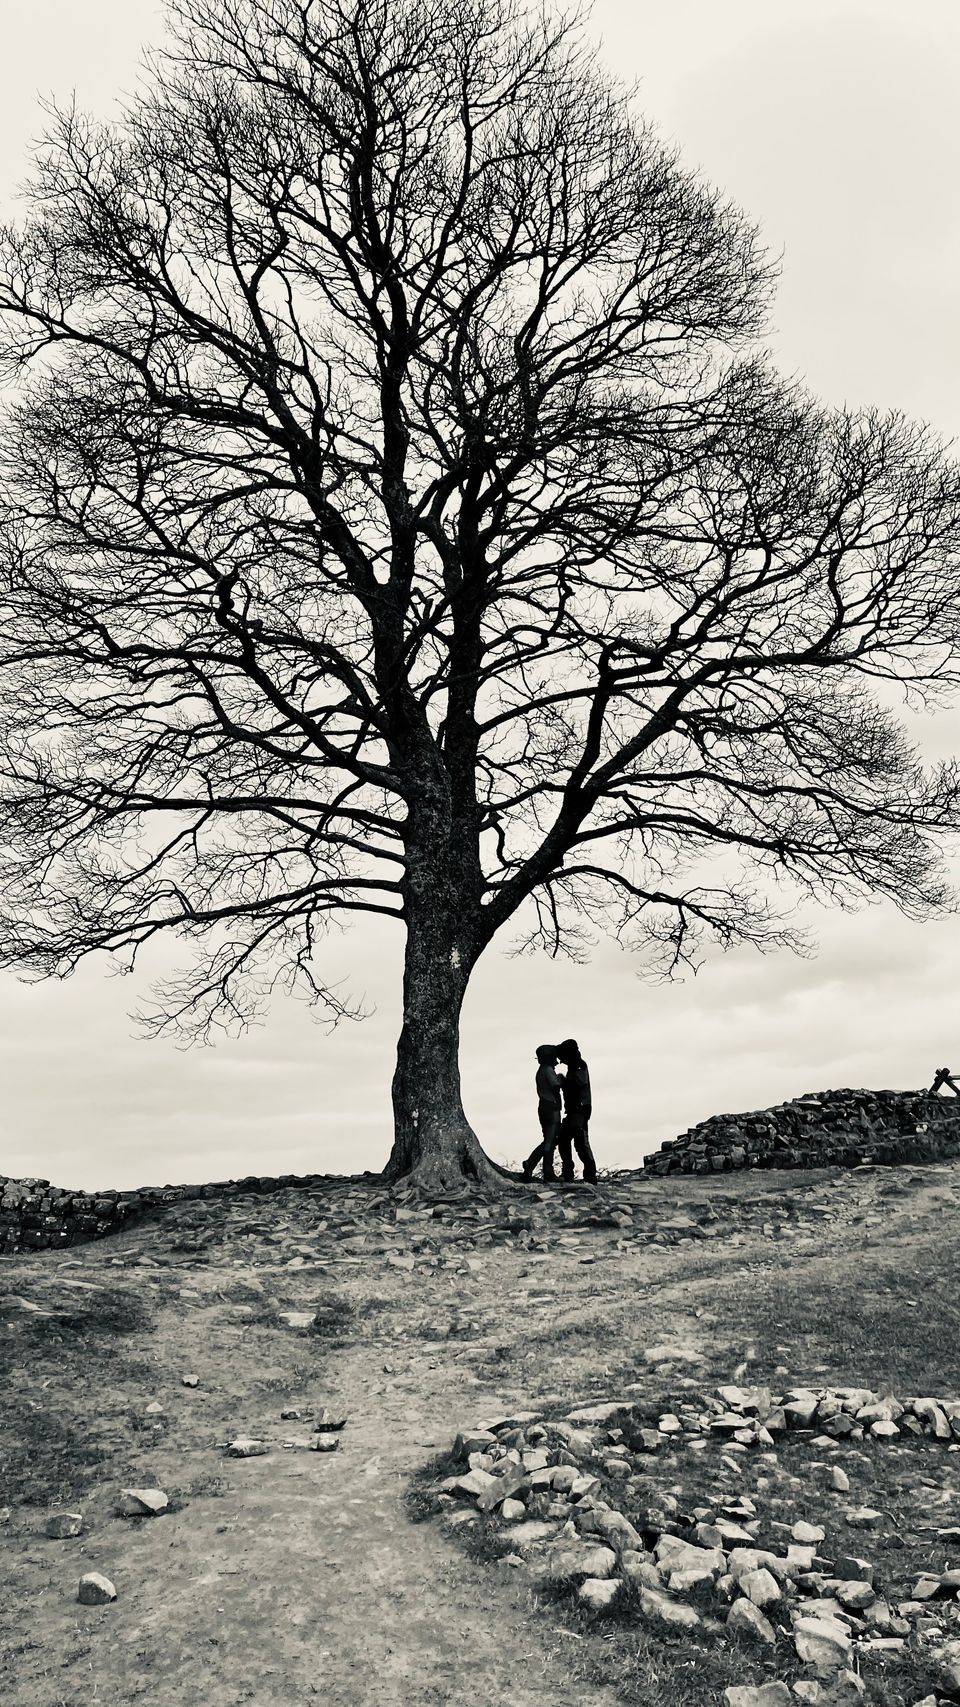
564,1106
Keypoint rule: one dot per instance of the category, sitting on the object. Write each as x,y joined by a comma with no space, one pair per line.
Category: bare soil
296,1576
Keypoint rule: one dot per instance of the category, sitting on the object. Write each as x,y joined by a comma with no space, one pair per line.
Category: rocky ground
347,1337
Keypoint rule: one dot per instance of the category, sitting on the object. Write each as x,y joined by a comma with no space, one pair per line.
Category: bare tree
398,518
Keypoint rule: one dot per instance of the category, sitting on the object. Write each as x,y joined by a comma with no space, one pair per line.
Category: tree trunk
434,1144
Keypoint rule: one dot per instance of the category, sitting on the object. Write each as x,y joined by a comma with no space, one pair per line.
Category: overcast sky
836,124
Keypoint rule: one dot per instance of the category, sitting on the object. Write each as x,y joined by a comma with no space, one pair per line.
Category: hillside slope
297,1575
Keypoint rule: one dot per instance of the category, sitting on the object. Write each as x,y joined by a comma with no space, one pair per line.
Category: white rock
693,1576
760,1587
677,1555
757,1695
597,1592
822,1642
597,1413
808,1534
512,1511
143,1502
580,1561
245,1447
582,1486
747,1620
95,1590
61,1525
745,1559
656,1605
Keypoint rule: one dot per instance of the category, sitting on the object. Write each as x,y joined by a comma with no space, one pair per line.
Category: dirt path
296,1576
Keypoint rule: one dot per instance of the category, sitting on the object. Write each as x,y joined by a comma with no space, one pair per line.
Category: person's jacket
549,1089
576,1092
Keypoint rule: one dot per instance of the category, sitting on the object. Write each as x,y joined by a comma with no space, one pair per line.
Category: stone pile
783,1586
841,1128
35,1215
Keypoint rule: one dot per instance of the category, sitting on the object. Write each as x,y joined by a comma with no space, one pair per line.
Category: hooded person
549,1089
578,1107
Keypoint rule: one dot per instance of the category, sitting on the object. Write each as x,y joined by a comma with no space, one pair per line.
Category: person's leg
581,1141
544,1150
549,1147
565,1149
532,1160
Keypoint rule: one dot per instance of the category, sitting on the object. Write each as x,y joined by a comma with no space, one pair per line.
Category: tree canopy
400,514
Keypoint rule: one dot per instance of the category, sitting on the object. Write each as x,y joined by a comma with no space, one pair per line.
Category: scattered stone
95,1590
62,1525
864,1517
674,1554
597,1593
245,1447
746,1619
757,1695
760,1587
579,1561
324,1443
654,1604
143,1502
947,1662
810,1534
329,1421
500,1488
512,1510
822,1642
839,1480
855,1596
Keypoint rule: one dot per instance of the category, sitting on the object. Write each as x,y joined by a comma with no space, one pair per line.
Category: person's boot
527,1170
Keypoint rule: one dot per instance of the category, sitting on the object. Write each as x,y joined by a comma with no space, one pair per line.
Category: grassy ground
811,1279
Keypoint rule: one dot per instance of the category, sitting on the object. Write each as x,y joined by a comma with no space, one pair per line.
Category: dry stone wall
840,1128
35,1215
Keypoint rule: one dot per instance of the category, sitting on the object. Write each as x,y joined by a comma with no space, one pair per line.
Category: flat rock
143,1502
246,1447
597,1413
757,1695
673,1554
95,1590
864,1517
61,1525
533,1532
822,1642
808,1534
580,1561
654,1604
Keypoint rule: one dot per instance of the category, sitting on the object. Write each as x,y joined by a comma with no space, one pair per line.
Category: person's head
568,1051
547,1054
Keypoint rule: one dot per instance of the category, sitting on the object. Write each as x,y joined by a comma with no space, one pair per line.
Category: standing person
549,1110
578,1107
